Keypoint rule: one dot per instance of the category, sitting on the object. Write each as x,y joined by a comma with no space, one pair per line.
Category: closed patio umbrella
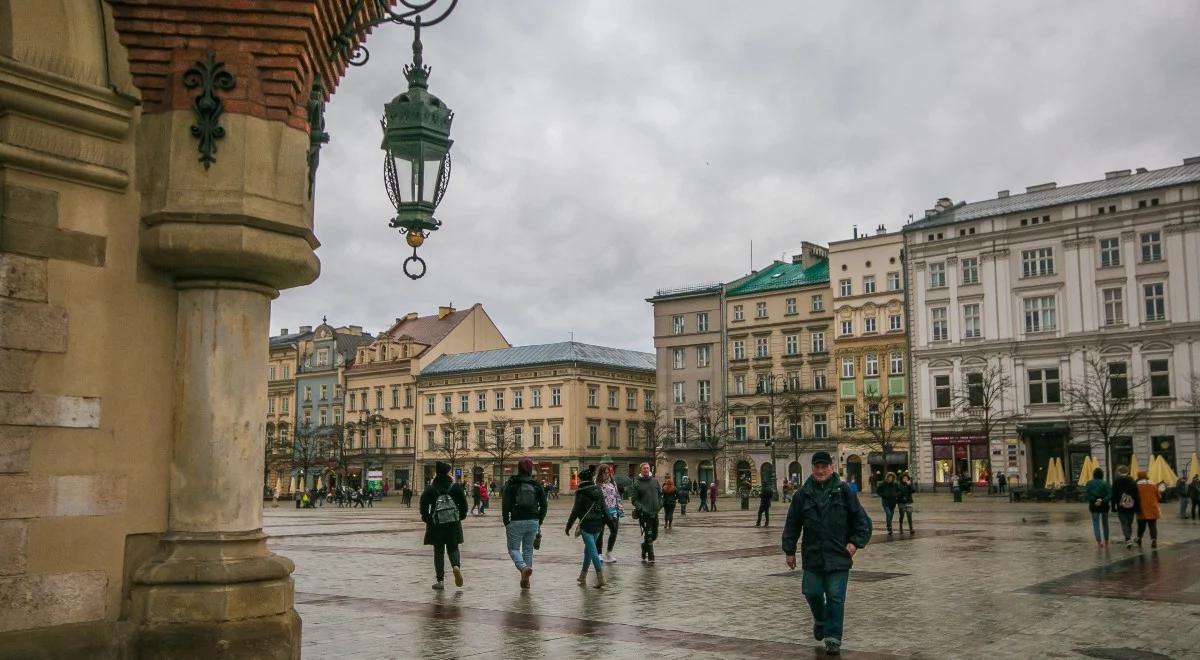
1085,471
1133,466
1165,472
319,487
1154,472
292,486
1194,467
1052,479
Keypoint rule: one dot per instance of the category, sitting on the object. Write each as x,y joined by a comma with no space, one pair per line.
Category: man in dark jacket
523,508
646,497
834,526
764,504
1125,501
443,506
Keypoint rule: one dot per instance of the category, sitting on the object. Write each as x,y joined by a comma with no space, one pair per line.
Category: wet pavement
981,579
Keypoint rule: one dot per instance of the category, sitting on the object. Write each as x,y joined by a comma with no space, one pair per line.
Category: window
894,324
898,414
631,439
739,349
464,403
555,396
789,306
1156,304
395,437
938,324
791,344
518,399
284,403
818,379
518,437
408,439
631,399
896,363
593,395
739,428
1114,307
702,356
869,325
271,405
704,428
818,302
793,380
702,322
1160,378
1118,380
408,397
323,357
737,313
763,384
795,429
430,440
446,438
760,310
536,436
847,367
1037,262
378,397
593,435
271,373
848,417
820,426
678,355
308,392
847,328
937,275
1110,252
612,397
764,427
868,284
893,281
679,392
677,324
818,342
873,417
970,270
871,365
287,371
1151,246
447,405
972,328
941,391
704,390
739,384
648,400
844,287
481,401
430,405
1039,314
1043,386
395,397
762,347
555,435
974,389
535,397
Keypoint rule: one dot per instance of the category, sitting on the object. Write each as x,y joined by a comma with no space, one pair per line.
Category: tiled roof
685,291
429,330
522,356
783,275
292,338
348,344
1117,185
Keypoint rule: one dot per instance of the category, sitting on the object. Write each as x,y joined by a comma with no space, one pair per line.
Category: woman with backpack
683,495
522,510
616,511
443,506
592,515
669,496
1099,499
1125,502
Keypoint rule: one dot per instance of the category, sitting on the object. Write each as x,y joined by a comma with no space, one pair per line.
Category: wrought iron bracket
209,75
410,13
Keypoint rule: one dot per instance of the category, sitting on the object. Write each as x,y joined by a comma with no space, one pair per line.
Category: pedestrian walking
484,496
522,510
275,497
1098,494
1181,488
475,498
646,497
703,493
1193,494
592,515
888,491
1148,511
407,494
1001,482
712,496
670,497
904,501
1125,502
683,495
829,522
443,506
764,504
616,510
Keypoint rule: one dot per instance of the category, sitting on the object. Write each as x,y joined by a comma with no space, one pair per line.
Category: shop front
895,462
958,454
1050,440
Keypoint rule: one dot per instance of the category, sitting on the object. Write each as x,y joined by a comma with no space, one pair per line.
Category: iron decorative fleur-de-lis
209,75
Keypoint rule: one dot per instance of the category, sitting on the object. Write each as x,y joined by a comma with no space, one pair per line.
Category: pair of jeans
889,512
1152,524
826,596
703,506
439,562
590,554
906,511
520,535
1126,518
1183,507
1100,519
612,536
668,514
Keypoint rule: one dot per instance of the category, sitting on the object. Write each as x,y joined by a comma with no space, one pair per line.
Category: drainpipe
913,446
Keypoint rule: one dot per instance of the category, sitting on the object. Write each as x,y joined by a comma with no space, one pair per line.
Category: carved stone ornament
209,75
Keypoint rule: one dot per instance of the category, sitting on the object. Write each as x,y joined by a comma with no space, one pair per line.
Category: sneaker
458,581
833,647
1154,544
607,558
1128,543
439,585
818,632
525,573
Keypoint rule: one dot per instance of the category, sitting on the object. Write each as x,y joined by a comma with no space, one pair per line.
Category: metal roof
1119,184
783,275
523,356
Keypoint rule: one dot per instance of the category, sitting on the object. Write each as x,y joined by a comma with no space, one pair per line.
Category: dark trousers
612,536
668,514
1126,518
649,525
764,509
1195,507
1143,524
703,506
683,507
439,560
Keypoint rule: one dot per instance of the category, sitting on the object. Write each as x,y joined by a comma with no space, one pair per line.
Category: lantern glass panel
429,189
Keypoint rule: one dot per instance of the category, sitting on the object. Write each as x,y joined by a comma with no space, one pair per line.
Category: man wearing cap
831,525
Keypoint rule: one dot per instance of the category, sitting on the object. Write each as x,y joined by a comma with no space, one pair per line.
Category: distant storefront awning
1040,429
893,458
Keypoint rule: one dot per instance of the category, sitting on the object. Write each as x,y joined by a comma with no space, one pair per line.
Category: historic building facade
1034,289
283,354
870,353
565,405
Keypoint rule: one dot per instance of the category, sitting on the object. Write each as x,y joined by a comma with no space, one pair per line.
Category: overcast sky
607,149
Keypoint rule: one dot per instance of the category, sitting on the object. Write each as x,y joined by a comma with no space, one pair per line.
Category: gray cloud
606,149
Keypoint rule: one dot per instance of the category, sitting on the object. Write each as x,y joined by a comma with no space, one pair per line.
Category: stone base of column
208,595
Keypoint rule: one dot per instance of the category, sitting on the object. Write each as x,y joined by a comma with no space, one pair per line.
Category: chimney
411,316
444,311
305,328
880,230
855,231
943,203
1142,170
1001,194
283,332
1116,174
1043,186
1193,160
798,259
356,330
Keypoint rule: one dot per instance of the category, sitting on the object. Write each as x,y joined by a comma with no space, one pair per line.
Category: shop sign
958,439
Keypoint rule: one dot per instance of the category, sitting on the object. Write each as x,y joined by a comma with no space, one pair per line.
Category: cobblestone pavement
981,579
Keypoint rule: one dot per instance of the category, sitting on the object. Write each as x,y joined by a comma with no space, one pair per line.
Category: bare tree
277,455
1193,403
985,401
660,435
708,423
310,448
501,444
454,447
876,416
1103,403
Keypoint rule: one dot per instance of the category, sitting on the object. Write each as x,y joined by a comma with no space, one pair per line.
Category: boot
650,554
599,580
643,552
582,578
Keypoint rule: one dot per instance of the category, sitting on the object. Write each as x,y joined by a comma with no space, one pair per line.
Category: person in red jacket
1148,512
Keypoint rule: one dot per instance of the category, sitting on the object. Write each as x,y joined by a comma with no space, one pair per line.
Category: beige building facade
565,406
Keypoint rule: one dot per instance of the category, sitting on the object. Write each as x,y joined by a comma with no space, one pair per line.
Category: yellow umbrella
319,482
1133,466
1052,480
277,485
1062,474
1085,471
292,486
1154,470
1194,467
1167,475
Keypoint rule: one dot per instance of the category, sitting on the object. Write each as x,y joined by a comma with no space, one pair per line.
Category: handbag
579,527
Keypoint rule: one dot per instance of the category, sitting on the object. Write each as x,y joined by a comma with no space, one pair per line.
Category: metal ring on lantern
415,259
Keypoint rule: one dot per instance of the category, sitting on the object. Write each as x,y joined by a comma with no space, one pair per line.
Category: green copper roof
782,275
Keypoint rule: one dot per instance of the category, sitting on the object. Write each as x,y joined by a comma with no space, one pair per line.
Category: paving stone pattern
981,579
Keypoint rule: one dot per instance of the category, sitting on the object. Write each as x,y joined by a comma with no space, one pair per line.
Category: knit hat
441,467
585,474
525,466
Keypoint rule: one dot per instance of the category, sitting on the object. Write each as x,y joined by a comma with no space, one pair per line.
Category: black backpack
525,500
